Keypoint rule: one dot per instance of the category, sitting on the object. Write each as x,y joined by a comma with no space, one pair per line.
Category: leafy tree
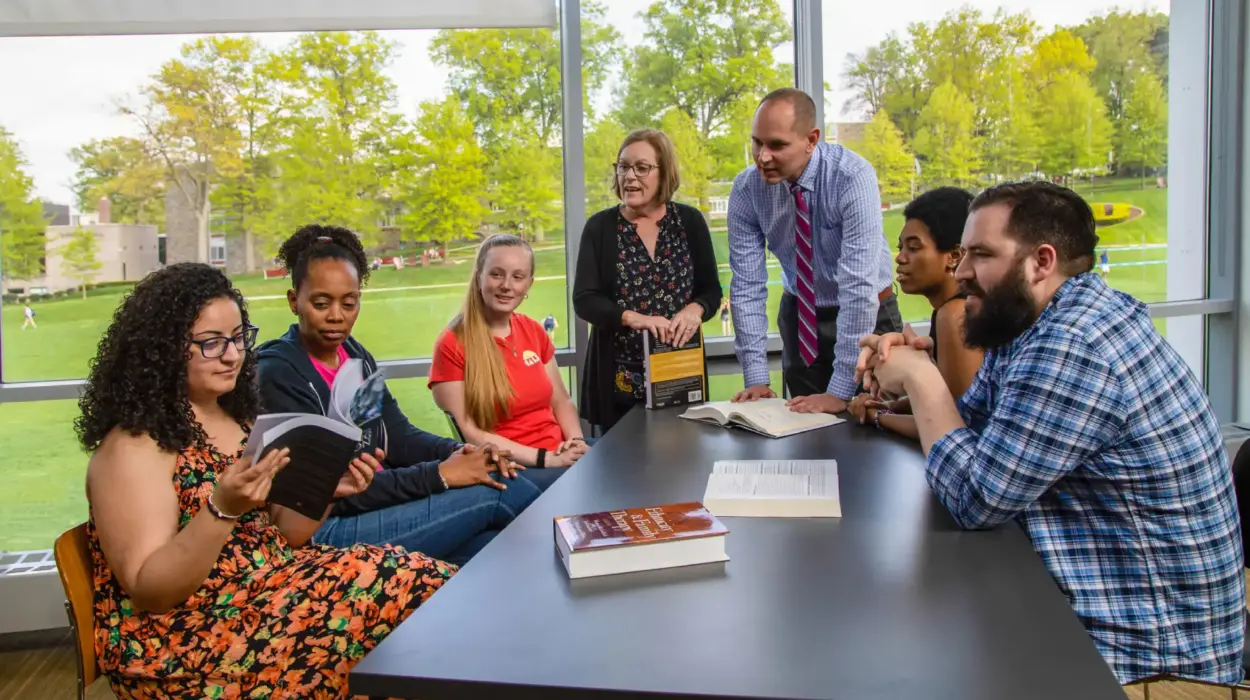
603,142
444,185
1060,54
882,145
22,241
694,162
945,139
526,186
705,57
120,169
888,77
1076,134
1124,46
79,257
189,124
1010,136
1142,137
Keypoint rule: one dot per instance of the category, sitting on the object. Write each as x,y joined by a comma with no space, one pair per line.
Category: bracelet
876,420
212,508
542,457
442,479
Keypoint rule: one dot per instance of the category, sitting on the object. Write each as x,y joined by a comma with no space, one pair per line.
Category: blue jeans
452,525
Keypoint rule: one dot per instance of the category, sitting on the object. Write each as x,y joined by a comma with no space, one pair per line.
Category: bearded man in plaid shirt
1088,429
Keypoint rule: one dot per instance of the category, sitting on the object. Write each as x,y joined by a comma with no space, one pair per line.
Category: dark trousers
802,379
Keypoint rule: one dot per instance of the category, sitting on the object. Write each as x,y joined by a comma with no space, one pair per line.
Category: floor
41,667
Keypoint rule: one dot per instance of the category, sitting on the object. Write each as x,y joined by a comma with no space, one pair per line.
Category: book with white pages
778,488
770,417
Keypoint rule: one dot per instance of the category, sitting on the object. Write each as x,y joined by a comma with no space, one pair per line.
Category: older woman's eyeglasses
215,347
640,169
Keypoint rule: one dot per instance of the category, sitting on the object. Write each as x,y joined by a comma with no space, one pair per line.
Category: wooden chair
73,563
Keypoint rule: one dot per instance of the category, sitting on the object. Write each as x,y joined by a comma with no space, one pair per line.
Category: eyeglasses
215,347
640,169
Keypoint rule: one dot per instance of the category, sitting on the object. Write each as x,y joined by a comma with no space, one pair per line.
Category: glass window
424,142
641,52
973,93
42,493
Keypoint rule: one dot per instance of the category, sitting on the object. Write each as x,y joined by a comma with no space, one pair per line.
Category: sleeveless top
933,324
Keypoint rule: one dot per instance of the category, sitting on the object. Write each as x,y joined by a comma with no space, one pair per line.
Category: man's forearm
932,406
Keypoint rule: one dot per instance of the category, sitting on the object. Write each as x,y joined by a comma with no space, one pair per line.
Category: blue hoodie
290,384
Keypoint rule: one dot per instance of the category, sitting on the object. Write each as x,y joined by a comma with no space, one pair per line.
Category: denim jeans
452,525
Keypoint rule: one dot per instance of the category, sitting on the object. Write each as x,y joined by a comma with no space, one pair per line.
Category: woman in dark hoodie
433,495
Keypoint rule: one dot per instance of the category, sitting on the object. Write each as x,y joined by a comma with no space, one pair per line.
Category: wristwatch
542,457
876,419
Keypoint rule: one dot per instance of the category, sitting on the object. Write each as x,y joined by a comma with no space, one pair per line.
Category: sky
57,93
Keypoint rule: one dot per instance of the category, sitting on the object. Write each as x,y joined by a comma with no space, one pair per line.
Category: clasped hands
888,360
675,331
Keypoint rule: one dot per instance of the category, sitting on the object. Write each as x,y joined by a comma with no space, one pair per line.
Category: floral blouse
653,287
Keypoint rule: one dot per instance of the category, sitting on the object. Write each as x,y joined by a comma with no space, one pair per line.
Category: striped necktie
805,286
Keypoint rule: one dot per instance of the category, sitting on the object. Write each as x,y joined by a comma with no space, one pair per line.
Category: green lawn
41,484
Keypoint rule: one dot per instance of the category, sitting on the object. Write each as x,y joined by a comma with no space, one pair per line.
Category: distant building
56,214
845,133
181,237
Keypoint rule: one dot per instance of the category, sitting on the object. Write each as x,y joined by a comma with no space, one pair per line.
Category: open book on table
769,417
322,446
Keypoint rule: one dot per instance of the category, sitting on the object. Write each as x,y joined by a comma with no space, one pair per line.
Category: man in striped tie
816,207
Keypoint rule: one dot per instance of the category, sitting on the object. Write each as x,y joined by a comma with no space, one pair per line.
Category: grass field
41,478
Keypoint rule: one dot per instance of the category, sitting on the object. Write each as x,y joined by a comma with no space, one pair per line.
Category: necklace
507,344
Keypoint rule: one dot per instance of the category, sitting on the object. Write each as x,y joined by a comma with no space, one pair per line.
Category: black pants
802,379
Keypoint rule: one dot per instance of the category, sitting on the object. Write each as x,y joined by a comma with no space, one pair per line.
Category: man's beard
1007,310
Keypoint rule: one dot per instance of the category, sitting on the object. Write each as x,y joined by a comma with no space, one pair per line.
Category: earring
527,296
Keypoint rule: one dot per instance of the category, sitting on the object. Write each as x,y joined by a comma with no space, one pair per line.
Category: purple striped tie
805,286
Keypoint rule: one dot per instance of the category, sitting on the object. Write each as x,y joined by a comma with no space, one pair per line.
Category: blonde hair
486,387
665,153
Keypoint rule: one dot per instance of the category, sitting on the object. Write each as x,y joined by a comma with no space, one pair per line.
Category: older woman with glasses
646,264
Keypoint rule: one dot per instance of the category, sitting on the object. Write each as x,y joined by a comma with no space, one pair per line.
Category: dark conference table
889,601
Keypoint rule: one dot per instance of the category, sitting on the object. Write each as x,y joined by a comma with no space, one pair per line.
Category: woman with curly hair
434,495
202,588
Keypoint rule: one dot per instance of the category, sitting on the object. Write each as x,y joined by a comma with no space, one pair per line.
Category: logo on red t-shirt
531,358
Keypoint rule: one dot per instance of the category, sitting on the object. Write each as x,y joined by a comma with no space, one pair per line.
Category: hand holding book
244,485
359,474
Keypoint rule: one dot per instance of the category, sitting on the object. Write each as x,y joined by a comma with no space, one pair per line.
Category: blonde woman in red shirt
494,369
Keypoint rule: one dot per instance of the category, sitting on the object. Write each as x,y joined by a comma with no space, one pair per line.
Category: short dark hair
944,211
317,242
1045,213
804,106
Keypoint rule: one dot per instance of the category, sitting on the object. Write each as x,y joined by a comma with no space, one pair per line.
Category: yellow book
675,376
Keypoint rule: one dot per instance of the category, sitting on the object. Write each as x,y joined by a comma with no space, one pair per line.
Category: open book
768,417
322,446
774,488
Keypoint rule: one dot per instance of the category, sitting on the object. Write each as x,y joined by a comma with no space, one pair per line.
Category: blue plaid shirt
1092,432
852,262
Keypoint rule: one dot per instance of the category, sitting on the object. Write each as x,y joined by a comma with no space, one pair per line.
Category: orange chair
73,563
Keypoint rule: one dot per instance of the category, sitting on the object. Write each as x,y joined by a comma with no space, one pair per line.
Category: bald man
816,206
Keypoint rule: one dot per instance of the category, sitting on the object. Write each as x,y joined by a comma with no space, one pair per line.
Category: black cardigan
594,300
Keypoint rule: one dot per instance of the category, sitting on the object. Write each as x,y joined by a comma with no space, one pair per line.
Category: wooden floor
41,667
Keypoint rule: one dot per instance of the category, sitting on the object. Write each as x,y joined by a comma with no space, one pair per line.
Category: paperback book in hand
322,446
675,374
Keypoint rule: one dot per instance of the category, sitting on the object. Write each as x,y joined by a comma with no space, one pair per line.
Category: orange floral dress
269,622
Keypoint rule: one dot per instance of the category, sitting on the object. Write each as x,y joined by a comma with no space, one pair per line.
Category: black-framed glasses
215,347
640,169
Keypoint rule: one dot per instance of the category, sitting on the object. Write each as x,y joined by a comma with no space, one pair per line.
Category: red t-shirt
329,373
526,352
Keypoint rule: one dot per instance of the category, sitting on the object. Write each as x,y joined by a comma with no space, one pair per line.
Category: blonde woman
644,264
494,369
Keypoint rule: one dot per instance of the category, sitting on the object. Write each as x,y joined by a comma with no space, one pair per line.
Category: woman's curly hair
138,379
316,242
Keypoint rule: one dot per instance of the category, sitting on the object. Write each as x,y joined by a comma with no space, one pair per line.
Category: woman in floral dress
203,589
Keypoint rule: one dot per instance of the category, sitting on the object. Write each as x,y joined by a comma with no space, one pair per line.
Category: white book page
773,416
773,479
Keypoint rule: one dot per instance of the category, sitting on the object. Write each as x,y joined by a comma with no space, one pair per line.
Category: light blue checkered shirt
852,262
1092,433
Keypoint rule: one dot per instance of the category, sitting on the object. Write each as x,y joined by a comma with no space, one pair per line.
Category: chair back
73,563
456,432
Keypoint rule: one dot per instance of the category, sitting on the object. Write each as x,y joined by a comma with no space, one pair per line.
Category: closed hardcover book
676,375
639,539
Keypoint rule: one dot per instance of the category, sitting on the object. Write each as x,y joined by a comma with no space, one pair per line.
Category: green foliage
78,257
946,142
882,146
1142,138
1125,46
526,186
603,142
121,169
1076,134
444,183
22,242
694,162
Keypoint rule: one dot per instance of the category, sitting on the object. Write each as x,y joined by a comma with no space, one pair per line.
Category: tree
78,257
1076,134
22,241
526,186
120,169
1010,136
945,140
443,188
190,124
694,162
603,143
888,77
1124,46
704,57
1142,137
882,145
